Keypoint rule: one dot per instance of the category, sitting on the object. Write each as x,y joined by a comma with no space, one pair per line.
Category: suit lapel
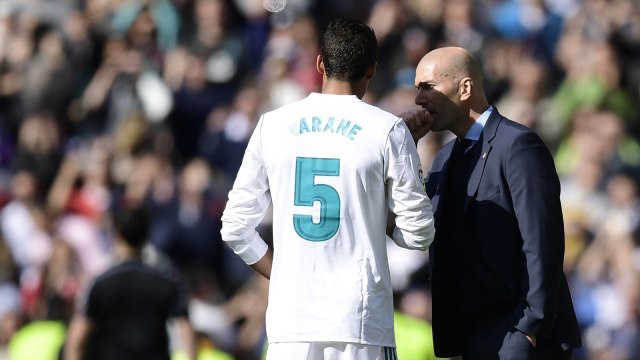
482,155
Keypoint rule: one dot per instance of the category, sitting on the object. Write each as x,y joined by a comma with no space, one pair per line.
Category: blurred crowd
111,103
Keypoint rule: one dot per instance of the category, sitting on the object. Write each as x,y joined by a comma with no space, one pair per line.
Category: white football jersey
333,167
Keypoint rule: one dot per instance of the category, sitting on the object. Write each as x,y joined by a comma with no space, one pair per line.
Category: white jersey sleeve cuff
252,251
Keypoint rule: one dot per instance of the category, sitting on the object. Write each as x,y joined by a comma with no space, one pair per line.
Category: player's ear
371,72
320,65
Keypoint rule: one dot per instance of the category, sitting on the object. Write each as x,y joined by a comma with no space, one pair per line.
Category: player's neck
124,252
338,87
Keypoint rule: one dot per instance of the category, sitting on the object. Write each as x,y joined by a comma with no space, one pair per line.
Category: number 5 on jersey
307,192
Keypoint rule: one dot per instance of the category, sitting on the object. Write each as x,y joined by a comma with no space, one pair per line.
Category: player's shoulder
288,108
358,110
385,122
124,270
380,112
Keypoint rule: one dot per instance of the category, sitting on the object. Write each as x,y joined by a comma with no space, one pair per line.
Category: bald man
499,291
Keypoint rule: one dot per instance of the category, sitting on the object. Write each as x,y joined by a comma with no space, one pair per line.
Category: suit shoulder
512,129
513,126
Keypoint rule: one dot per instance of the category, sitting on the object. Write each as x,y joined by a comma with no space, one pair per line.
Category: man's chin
436,128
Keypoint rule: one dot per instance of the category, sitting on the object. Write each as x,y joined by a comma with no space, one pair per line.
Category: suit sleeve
535,191
247,204
405,191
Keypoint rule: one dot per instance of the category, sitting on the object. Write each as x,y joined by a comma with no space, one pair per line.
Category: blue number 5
307,192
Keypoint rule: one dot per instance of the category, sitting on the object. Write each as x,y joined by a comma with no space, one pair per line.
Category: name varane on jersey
317,124
332,179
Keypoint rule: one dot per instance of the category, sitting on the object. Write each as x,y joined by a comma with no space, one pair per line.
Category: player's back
129,306
325,159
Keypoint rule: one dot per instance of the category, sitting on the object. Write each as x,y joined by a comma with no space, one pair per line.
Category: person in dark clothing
125,310
499,291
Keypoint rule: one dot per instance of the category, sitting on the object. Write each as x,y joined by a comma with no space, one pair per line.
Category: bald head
454,63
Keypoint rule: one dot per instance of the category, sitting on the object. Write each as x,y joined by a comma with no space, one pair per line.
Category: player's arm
79,330
81,325
414,224
247,205
187,336
180,323
263,266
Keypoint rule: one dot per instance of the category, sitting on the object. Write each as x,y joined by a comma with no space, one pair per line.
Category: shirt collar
333,97
476,129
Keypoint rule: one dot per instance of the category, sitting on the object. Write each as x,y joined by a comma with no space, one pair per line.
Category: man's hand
419,122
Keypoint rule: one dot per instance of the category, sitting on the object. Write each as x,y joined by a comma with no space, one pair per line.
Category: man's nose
420,98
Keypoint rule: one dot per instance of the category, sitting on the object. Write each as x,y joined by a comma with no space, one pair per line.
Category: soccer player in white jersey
333,166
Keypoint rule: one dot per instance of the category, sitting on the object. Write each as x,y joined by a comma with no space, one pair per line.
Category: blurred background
106,103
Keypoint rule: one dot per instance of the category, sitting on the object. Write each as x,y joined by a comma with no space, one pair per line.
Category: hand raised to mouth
419,121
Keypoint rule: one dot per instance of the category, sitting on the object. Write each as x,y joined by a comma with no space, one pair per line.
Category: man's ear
371,72
320,65
465,88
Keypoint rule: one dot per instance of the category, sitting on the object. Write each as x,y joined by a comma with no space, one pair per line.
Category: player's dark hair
132,225
349,49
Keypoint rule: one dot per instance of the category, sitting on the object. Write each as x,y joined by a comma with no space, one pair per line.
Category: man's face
438,94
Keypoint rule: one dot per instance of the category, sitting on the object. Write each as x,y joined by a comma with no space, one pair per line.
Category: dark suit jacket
513,219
